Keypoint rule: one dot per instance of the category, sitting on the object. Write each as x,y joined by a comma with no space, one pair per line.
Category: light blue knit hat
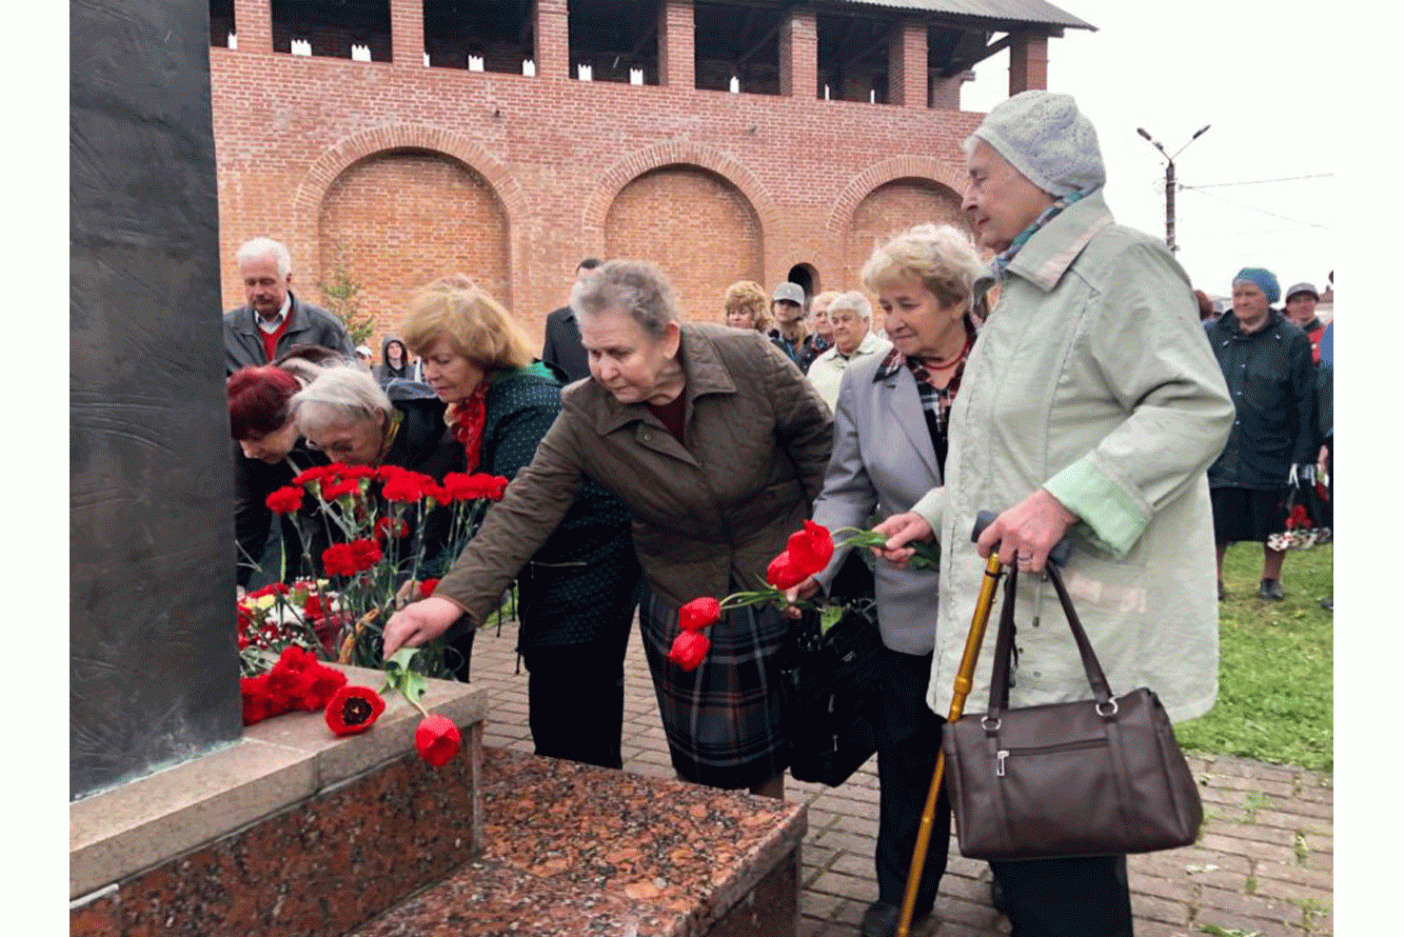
1262,278
1046,138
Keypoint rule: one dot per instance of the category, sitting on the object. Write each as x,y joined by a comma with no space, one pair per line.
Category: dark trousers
908,740
575,700
1083,897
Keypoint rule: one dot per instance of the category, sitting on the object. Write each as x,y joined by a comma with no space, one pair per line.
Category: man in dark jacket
562,348
274,320
1266,362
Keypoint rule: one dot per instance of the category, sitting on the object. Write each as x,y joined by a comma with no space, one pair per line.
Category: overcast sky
1247,70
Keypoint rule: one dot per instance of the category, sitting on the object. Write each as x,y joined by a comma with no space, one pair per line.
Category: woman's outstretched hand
419,622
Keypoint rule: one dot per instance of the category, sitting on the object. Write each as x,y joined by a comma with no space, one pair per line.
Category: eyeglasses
338,448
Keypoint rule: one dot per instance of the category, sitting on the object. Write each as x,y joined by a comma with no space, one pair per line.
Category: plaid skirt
725,720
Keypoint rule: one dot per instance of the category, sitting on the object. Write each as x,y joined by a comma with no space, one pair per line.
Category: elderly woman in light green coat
1090,404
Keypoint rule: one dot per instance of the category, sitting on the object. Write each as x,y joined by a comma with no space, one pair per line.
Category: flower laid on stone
354,709
296,681
436,738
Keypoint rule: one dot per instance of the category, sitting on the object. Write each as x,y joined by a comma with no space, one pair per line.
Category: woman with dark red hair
269,453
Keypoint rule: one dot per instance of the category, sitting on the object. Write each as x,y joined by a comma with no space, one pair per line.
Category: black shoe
880,920
1327,604
1270,589
1221,590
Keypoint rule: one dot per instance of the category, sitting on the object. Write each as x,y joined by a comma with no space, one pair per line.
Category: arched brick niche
400,218
695,224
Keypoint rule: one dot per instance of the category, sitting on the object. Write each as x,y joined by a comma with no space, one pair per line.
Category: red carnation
783,573
315,474
365,554
319,684
354,709
689,648
699,613
437,739
257,702
810,549
333,490
390,526
284,500
427,587
338,560
405,487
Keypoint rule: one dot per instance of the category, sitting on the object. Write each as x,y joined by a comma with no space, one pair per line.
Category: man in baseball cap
787,308
1301,310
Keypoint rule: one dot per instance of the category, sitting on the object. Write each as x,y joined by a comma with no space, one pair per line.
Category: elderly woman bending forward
717,445
1090,404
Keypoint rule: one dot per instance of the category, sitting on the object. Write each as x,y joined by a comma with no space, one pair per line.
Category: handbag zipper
1004,753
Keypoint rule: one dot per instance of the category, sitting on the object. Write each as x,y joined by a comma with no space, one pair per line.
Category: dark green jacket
1272,383
581,582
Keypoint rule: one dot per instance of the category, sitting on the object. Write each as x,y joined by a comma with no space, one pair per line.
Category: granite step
572,849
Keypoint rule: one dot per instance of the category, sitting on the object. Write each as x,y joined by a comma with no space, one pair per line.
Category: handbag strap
1004,641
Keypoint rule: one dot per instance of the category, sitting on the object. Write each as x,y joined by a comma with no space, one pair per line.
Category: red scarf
468,418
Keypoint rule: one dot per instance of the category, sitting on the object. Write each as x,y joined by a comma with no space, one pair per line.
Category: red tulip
437,739
810,549
699,613
783,572
689,648
354,709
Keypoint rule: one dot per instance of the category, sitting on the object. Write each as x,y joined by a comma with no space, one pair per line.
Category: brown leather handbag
1094,777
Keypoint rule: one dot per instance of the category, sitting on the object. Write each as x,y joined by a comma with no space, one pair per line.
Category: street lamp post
1170,182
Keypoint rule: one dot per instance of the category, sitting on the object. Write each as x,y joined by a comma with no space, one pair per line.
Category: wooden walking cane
961,689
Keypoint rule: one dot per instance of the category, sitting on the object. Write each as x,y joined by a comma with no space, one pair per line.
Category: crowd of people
654,460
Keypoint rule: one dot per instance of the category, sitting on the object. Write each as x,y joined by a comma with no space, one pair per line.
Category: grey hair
337,396
255,248
855,301
637,287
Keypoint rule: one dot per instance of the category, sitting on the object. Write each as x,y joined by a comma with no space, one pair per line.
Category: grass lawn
1275,688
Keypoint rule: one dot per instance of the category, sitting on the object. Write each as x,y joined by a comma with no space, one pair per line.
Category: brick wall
514,179
401,219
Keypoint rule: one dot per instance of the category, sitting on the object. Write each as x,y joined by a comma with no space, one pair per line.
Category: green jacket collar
1054,247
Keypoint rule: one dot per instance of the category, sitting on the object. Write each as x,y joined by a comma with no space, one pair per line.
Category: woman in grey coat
890,442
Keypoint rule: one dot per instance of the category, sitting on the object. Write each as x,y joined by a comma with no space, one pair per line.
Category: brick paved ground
1262,867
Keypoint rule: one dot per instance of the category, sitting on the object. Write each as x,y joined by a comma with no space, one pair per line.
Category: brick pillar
253,24
407,32
945,92
906,65
552,39
799,53
1028,64
677,49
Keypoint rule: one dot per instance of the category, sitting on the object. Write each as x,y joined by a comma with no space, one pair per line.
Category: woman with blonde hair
576,593
746,306
890,434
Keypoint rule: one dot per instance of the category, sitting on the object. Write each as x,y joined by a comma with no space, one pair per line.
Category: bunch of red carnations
375,520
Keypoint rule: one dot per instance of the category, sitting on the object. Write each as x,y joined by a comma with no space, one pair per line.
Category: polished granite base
572,849
364,838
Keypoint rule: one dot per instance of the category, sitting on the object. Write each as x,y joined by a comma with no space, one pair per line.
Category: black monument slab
153,662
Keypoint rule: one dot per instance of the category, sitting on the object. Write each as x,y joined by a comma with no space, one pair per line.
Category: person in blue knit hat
1266,360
